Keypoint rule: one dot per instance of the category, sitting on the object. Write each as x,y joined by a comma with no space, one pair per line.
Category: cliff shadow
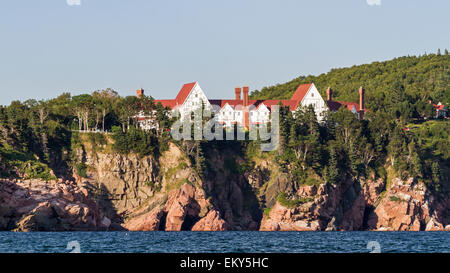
227,187
103,198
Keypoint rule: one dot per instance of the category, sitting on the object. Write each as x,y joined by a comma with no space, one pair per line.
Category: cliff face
144,194
148,194
362,205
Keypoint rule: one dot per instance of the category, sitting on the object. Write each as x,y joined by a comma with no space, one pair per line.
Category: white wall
193,101
313,97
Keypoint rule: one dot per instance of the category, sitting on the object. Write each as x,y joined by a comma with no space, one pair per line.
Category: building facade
244,112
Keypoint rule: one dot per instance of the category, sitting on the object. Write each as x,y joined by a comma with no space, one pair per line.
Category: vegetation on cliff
398,130
36,134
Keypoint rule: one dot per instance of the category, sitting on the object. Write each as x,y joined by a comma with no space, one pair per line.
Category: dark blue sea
224,242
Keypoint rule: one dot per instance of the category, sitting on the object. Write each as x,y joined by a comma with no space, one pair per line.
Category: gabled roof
301,91
184,92
181,97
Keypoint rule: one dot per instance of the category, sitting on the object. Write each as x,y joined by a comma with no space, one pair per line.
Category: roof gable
301,91
263,108
184,92
227,107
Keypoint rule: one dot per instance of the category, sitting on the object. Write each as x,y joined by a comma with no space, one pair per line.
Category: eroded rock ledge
36,205
404,206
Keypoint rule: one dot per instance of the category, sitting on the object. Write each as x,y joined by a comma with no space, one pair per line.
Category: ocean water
224,242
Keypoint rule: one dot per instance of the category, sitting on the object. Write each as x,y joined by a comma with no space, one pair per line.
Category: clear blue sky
48,47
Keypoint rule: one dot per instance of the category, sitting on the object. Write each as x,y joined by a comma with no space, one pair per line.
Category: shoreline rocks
36,205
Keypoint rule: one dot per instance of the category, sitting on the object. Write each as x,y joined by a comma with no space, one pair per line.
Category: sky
52,46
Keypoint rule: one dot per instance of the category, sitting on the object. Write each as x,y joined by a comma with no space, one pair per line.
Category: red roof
167,103
222,103
237,104
301,91
184,92
439,107
292,104
335,105
181,97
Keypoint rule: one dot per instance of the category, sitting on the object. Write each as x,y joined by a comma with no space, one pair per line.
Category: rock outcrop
185,209
36,205
409,206
403,206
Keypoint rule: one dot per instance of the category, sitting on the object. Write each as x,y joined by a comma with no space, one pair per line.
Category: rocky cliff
402,205
142,193
128,192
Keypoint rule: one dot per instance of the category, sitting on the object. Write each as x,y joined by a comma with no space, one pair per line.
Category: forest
409,82
399,133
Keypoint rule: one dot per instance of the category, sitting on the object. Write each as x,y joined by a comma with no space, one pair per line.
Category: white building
245,112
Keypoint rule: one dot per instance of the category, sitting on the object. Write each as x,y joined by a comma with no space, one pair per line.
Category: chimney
361,102
329,94
361,98
245,107
245,93
237,92
139,93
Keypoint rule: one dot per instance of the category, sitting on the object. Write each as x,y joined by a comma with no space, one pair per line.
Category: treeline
345,146
40,133
408,83
394,132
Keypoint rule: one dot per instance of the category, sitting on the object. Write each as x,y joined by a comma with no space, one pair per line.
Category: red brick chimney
139,93
237,92
361,102
245,107
329,94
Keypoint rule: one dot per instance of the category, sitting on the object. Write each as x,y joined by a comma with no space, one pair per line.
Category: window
312,95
